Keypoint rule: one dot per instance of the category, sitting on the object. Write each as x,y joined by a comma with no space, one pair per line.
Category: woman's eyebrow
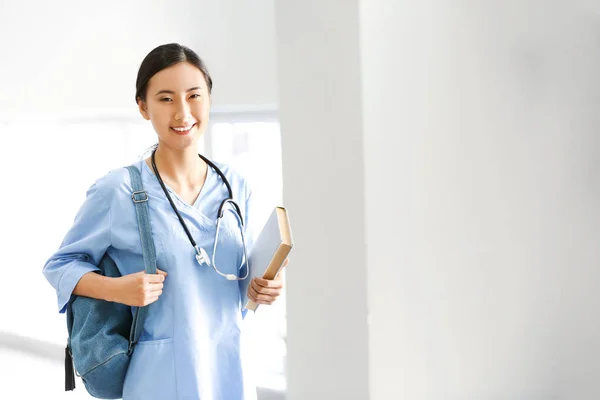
172,92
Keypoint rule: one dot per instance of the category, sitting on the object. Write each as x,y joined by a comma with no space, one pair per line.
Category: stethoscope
201,255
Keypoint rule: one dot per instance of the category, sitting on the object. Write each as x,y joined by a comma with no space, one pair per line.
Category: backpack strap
140,200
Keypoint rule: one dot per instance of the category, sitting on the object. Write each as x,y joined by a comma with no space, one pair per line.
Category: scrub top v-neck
173,193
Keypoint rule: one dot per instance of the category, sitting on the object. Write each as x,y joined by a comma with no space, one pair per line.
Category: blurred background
439,161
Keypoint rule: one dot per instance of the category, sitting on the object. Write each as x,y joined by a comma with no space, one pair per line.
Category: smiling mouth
182,130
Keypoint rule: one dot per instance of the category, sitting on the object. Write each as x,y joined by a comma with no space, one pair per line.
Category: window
252,145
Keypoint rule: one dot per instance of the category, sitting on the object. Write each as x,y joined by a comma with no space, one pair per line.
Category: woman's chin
182,142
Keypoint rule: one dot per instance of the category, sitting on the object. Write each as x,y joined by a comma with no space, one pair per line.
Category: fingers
161,272
259,298
152,293
155,278
268,290
138,289
154,287
151,300
264,291
267,283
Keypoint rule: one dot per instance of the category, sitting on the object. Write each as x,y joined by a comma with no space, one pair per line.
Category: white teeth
187,128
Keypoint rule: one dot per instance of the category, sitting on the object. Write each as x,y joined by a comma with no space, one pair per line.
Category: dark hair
165,56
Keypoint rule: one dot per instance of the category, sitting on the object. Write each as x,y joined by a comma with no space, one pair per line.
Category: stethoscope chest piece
202,256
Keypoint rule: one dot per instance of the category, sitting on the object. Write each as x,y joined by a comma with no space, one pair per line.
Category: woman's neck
181,167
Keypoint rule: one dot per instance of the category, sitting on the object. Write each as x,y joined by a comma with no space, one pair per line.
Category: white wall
480,157
321,123
489,113
73,57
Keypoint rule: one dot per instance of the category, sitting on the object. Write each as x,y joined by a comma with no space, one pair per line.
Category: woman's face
177,103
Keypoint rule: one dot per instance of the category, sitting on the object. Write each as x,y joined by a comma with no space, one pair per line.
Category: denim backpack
102,334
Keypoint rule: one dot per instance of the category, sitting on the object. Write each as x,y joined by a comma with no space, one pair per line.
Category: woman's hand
265,291
139,289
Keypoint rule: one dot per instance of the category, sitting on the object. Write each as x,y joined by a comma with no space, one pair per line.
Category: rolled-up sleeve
82,248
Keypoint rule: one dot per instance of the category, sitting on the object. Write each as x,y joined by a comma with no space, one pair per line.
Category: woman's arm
81,250
72,269
96,286
137,289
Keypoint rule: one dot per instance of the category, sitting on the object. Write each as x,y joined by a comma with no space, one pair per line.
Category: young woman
190,347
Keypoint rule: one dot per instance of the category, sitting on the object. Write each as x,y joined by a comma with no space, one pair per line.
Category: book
270,250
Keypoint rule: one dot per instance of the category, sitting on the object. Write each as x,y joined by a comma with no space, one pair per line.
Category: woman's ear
143,109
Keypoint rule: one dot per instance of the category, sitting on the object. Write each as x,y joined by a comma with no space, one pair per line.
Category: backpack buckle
139,197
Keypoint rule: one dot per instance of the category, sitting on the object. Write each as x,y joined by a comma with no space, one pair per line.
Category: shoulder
237,180
115,184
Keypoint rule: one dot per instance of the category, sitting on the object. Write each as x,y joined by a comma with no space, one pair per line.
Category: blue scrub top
191,344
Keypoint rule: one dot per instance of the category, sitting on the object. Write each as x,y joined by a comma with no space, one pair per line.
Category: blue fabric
103,334
140,201
99,340
191,343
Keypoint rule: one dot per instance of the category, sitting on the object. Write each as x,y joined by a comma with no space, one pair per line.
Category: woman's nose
183,112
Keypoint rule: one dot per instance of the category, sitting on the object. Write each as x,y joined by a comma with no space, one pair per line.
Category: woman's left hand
265,291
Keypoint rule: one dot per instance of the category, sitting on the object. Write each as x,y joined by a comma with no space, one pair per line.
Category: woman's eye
195,96
165,99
